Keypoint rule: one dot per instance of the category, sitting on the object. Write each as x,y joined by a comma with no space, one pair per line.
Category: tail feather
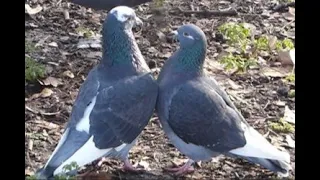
280,167
259,150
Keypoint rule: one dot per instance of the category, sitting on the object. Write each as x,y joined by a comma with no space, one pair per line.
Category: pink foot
185,169
128,167
102,160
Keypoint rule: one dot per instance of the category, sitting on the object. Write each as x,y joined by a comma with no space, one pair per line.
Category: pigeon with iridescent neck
199,118
114,103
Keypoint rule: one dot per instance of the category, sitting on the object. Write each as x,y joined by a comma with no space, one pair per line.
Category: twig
41,112
204,12
280,7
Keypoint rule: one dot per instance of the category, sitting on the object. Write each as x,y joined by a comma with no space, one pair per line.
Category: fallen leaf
272,42
290,141
144,164
30,144
51,81
178,162
28,172
46,92
272,72
32,11
53,44
285,58
289,115
68,74
280,103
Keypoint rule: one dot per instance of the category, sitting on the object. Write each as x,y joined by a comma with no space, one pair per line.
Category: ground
52,39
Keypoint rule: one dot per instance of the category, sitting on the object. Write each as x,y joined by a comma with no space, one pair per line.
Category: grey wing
201,116
72,139
122,111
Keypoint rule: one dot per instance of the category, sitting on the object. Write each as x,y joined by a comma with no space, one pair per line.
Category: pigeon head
193,47
123,17
190,35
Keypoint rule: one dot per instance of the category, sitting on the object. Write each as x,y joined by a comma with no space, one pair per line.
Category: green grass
33,70
239,36
290,78
237,62
29,47
282,126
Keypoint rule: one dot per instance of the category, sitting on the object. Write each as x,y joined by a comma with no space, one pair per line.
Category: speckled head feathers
123,16
189,35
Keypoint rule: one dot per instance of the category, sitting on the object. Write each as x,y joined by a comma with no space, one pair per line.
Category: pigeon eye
129,18
185,34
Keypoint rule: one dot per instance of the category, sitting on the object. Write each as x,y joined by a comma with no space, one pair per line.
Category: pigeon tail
44,173
260,151
280,167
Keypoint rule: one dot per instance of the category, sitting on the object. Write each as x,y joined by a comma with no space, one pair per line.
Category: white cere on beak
122,13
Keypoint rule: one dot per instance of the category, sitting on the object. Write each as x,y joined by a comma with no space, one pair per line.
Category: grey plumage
108,4
114,103
198,116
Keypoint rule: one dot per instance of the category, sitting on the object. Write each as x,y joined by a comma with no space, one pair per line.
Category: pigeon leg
185,169
127,166
100,161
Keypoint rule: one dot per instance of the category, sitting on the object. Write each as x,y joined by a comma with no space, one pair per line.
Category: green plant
33,70
237,62
282,126
29,47
291,77
159,3
262,43
85,32
236,34
285,44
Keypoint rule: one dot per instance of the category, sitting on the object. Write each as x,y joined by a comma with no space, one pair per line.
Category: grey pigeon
199,118
114,104
108,4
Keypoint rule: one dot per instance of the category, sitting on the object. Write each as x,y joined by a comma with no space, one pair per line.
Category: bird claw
185,169
128,167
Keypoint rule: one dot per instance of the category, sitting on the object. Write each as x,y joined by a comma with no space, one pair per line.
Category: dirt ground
259,97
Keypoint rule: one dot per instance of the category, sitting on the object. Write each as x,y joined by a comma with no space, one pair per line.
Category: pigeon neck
191,59
119,48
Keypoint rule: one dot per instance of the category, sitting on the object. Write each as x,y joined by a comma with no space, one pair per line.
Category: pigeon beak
138,22
173,35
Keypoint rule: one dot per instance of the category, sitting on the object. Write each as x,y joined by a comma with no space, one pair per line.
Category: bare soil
257,96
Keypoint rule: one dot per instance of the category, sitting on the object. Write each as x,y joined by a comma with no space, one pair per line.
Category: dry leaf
30,144
28,172
144,164
68,74
292,54
32,11
272,72
290,141
178,162
280,103
51,81
272,41
289,115
46,92
53,44
285,58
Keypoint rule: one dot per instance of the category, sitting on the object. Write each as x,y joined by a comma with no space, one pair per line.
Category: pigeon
114,104
198,117
108,4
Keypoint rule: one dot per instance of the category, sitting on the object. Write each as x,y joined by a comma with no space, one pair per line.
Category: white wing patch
86,154
62,140
121,13
84,123
258,146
